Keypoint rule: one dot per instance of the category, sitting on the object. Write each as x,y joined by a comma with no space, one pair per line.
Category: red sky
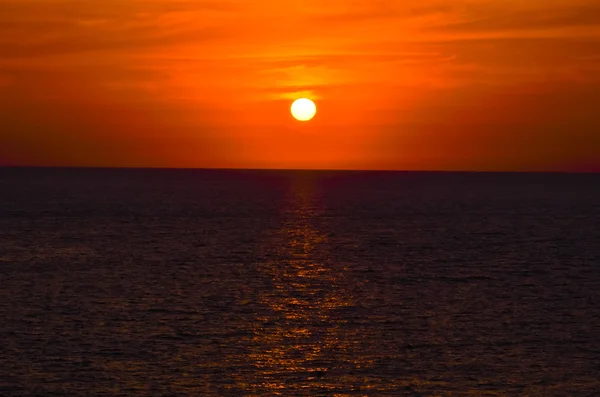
428,84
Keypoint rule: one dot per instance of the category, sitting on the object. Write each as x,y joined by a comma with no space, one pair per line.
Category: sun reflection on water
297,345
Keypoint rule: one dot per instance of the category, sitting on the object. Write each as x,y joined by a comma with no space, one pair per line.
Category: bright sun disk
303,109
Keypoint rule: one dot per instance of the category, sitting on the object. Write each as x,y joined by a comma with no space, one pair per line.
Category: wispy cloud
527,17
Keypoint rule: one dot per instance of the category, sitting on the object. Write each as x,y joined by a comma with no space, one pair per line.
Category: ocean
154,282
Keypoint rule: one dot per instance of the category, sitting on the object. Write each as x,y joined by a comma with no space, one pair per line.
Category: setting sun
303,109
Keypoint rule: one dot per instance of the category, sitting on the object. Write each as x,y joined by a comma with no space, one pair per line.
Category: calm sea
283,283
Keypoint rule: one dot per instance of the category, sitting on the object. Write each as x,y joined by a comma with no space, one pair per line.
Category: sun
303,109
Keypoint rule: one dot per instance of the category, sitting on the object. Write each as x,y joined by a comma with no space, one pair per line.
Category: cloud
80,42
488,19
24,36
541,17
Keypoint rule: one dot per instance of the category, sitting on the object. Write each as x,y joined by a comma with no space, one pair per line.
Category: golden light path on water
300,345
305,291
312,336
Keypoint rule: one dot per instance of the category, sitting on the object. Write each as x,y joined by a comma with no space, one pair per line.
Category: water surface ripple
268,283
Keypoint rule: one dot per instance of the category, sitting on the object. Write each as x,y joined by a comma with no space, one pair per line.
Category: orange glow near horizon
445,84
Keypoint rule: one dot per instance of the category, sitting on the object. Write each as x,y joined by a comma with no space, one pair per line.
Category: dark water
248,283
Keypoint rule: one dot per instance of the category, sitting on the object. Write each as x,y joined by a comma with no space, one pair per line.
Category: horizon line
298,169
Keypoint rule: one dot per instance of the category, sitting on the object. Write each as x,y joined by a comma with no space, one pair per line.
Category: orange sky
428,84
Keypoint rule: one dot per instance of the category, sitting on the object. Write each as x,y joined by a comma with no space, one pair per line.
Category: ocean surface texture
273,283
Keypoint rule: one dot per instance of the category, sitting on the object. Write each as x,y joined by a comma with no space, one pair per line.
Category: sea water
298,283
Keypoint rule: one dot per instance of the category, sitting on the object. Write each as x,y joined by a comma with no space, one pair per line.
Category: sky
483,85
